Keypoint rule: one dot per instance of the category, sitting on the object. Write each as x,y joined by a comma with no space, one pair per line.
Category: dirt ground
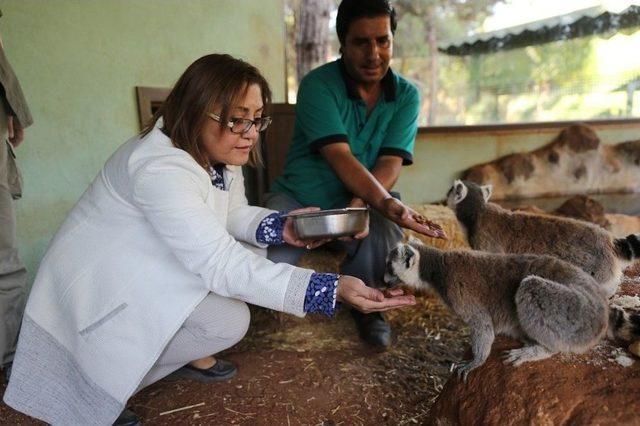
313,371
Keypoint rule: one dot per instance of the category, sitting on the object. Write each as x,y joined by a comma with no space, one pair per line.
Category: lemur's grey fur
491,228
596,251
549,304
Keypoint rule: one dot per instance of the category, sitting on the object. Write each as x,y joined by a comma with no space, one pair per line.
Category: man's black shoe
373,328
127,418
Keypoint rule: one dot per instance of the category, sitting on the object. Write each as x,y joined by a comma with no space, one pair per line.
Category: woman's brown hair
213,80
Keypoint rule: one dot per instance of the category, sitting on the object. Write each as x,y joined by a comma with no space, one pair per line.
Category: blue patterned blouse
323,287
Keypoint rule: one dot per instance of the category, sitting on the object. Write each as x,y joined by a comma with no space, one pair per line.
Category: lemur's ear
460,191
487,190
413,241
408,256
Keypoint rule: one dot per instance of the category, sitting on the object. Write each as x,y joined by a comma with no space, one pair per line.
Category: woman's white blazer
147,241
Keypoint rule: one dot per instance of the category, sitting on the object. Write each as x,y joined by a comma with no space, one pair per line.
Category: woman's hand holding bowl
289,233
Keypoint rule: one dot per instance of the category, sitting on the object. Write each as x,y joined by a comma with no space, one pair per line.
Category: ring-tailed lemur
550,304
491,228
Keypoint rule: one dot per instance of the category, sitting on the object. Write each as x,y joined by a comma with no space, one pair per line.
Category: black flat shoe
222,370
127,418
373,329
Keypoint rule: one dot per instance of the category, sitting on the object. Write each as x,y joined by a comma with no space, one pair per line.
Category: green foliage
547,82
451,18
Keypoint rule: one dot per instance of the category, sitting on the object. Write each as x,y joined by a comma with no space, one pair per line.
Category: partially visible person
14,118
356,123
150,273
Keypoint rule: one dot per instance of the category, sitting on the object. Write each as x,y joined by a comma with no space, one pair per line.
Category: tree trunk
432,40
312,41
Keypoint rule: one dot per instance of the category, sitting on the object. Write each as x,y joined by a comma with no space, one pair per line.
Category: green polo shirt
329,110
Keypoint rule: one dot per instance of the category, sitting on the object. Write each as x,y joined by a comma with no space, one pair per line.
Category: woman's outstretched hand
289,233
353,292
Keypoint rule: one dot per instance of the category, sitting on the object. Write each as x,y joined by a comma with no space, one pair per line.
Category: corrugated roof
581,23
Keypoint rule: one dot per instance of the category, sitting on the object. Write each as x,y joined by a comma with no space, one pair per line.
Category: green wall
79,61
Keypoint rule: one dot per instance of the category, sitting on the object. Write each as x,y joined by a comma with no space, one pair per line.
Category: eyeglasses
243,125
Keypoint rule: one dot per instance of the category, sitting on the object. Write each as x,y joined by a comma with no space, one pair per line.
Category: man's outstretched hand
406,217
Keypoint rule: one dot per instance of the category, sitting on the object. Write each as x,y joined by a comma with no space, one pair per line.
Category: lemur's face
456,194
461,190
402,267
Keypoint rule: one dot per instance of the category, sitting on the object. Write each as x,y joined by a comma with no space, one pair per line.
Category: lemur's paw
463,369
513,357
519,356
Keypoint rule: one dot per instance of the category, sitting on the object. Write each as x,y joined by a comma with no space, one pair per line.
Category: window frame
475,128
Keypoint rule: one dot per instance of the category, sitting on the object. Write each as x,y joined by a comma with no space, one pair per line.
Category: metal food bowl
330,223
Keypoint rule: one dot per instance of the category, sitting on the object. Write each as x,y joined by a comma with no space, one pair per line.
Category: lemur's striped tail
624,324
628,248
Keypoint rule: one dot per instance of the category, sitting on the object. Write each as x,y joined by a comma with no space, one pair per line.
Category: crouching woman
150,272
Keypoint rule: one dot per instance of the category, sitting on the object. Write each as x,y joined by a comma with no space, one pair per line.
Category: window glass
509,61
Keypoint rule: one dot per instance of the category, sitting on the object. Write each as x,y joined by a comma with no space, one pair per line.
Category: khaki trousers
13,275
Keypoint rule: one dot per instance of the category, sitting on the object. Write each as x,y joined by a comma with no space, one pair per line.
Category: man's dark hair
351,10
